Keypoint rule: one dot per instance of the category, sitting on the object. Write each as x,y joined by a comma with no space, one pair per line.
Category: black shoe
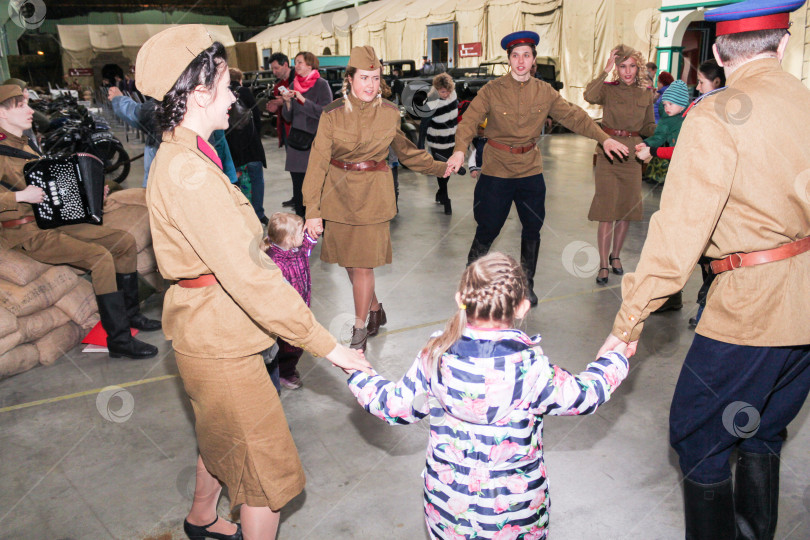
618,271
756,495
197,532
448,208
128,285
115,322
673,303
439,196
602,280
693,323
709,510
288,204
529,251
264,220
477,250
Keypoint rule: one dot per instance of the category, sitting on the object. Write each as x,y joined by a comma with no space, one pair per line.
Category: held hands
349,360
454,163
612,343
611,63
314,227
615,149
643,152
475,174
31,194
113,92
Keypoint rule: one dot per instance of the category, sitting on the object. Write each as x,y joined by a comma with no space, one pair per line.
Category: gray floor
78,462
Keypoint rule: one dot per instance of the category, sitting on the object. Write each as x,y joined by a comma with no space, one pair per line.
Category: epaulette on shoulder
701,98
612,83
335,105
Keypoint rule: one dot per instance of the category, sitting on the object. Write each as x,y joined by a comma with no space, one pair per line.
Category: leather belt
17,222
205,280
510,149
620,132
360,166
736,260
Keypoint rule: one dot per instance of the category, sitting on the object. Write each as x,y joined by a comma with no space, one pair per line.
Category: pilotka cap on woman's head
164,57
364,58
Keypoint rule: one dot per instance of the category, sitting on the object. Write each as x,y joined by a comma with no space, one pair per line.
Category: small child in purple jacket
289,247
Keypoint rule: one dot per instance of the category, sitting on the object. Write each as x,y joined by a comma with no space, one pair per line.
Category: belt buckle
731,260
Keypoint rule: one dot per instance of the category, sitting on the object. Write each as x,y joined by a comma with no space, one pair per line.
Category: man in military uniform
109,254
738,190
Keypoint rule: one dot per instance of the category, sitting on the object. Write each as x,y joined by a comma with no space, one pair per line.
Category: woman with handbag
302,109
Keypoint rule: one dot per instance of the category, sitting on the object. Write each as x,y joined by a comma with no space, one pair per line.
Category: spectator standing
280,65
441,131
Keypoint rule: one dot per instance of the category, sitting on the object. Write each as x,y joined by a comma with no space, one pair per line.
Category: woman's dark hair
516,45
309,59
203,70
712,70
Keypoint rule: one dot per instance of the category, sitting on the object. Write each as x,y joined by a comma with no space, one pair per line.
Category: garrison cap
8,91
753,15
164,57
524,37
364,58
19,82
623,52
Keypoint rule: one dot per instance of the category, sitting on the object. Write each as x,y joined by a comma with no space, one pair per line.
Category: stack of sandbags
44,312
125,210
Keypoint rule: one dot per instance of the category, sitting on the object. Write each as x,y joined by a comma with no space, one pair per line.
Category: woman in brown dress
628,115
349,184
228,299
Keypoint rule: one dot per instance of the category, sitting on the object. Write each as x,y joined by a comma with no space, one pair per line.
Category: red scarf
302,84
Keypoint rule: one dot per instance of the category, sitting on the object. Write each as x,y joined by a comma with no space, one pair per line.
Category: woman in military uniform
349,184
228,298
628,115
516,107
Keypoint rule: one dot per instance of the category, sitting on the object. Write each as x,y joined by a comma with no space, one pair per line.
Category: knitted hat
677,93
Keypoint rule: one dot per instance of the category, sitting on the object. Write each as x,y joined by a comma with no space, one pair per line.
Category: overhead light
41,53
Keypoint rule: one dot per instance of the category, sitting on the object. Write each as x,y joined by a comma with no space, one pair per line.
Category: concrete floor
78,462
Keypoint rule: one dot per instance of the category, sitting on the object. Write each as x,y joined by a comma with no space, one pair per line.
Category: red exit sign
466,50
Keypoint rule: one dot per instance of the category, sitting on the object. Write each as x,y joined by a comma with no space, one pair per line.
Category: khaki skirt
618,187
356,246
241,429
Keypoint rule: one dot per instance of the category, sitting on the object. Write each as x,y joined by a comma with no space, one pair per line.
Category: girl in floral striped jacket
486,387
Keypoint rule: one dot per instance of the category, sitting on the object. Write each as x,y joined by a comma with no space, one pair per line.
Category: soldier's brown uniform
101,250
357,206
202,224
618,182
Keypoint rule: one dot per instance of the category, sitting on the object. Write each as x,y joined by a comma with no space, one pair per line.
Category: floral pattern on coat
485,476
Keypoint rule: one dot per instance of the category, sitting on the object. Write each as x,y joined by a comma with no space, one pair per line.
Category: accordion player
73,186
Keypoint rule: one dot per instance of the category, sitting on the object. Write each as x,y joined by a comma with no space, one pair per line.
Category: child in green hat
675,99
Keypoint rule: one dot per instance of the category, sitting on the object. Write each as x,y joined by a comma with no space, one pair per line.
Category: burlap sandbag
132,219
17,360
18,268
80,305
36,325
58,342
10,341
41,293
8,322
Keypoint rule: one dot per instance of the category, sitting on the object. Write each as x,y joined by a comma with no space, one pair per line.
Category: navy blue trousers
731,396
493,199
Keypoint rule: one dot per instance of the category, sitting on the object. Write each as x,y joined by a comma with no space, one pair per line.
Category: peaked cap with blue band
524,37
753,15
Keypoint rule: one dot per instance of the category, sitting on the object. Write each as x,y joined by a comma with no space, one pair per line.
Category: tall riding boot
115,322
709,510
756,500
529,250
128,284
477,250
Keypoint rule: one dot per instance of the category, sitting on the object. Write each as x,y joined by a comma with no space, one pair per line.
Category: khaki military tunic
515,113
739,182
618,182
357,205
202,224
101,250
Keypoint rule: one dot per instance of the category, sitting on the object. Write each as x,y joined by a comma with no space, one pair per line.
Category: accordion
73,186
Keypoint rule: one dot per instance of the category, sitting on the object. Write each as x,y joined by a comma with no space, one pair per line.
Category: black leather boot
477,250
529,250
709,510
756,499
116,323
128,284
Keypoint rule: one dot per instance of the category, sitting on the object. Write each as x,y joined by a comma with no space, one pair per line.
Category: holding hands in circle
314,227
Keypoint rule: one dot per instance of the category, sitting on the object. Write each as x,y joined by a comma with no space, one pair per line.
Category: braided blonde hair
351,71
491,289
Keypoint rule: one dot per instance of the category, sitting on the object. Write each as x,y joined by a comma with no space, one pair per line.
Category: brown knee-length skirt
618,188
242,432
356,246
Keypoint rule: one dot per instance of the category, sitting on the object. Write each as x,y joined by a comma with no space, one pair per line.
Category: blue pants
734,395
254,170
493,199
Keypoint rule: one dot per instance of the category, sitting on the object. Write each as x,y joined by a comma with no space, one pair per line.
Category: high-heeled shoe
359,338
602,280
618,271
375,320
199,532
